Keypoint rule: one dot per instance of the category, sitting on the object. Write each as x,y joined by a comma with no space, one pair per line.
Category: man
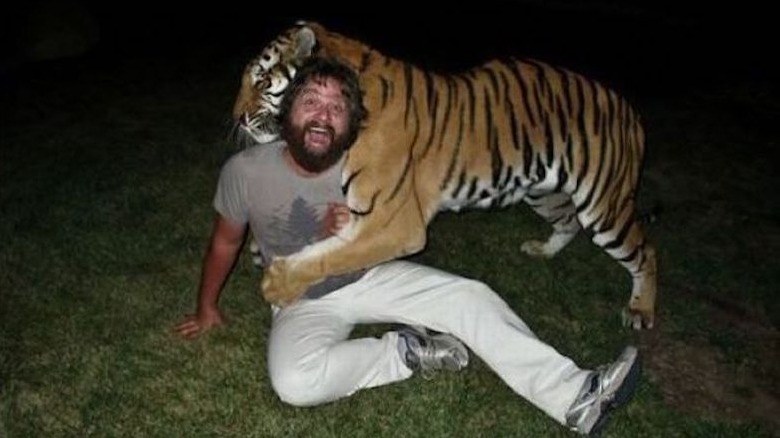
289,193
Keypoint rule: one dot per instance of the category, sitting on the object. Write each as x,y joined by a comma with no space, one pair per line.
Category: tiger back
500,133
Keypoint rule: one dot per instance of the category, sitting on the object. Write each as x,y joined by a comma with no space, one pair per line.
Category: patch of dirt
695,377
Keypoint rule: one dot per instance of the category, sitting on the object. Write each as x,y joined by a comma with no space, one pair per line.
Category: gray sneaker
429,352
607,388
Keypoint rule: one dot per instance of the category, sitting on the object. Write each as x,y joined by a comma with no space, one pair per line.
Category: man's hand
226,239
197,324
336,217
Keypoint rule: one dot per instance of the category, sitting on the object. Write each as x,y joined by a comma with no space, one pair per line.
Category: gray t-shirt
285,211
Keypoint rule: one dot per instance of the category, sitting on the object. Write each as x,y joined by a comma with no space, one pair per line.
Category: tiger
505,131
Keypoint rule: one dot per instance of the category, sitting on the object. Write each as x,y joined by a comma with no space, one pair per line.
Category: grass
107,177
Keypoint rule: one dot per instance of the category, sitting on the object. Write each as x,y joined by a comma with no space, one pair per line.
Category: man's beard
314,162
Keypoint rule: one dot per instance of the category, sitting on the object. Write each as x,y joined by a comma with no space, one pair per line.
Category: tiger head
263,83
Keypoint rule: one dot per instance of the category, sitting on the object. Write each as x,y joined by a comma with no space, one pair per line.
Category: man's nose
323,113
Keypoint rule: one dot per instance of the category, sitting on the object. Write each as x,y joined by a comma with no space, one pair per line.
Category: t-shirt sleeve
230,199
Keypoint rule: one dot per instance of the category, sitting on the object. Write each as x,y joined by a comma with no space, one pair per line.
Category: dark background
637,46
110,110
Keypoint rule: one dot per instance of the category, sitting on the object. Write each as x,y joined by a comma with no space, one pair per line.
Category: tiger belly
476,192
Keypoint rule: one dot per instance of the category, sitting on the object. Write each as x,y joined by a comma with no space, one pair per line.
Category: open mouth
319,136
320,133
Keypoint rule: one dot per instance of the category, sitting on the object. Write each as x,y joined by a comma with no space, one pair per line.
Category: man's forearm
217,265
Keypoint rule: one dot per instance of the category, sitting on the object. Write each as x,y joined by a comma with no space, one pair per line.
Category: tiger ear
305,43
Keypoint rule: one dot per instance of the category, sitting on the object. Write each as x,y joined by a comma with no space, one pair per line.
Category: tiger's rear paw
637,320
536,248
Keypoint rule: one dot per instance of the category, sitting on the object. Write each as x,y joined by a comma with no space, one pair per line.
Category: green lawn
108,169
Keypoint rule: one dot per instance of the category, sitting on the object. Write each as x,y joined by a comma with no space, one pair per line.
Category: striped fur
506,131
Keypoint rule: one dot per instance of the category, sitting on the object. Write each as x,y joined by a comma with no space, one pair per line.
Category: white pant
311,361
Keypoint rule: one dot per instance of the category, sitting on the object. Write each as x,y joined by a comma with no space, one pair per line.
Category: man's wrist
207,309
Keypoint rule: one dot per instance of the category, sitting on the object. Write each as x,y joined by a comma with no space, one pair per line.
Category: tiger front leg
286,279
364,243
547,249
559,211
280,286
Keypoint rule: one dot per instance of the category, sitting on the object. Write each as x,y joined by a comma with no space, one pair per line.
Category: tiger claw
636,320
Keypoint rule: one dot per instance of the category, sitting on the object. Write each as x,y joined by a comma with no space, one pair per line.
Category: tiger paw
279,286
536,248
285,280
637,319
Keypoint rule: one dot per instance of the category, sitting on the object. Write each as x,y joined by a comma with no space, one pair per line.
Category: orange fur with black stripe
503,132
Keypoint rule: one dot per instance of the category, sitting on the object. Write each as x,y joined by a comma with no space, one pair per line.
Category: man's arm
221,255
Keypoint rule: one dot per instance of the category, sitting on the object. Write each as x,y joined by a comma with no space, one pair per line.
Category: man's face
318,125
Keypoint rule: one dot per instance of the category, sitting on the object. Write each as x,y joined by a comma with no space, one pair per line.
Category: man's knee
475,293
297,388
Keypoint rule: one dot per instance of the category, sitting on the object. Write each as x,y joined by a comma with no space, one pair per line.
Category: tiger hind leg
640,312
558,210
626,243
